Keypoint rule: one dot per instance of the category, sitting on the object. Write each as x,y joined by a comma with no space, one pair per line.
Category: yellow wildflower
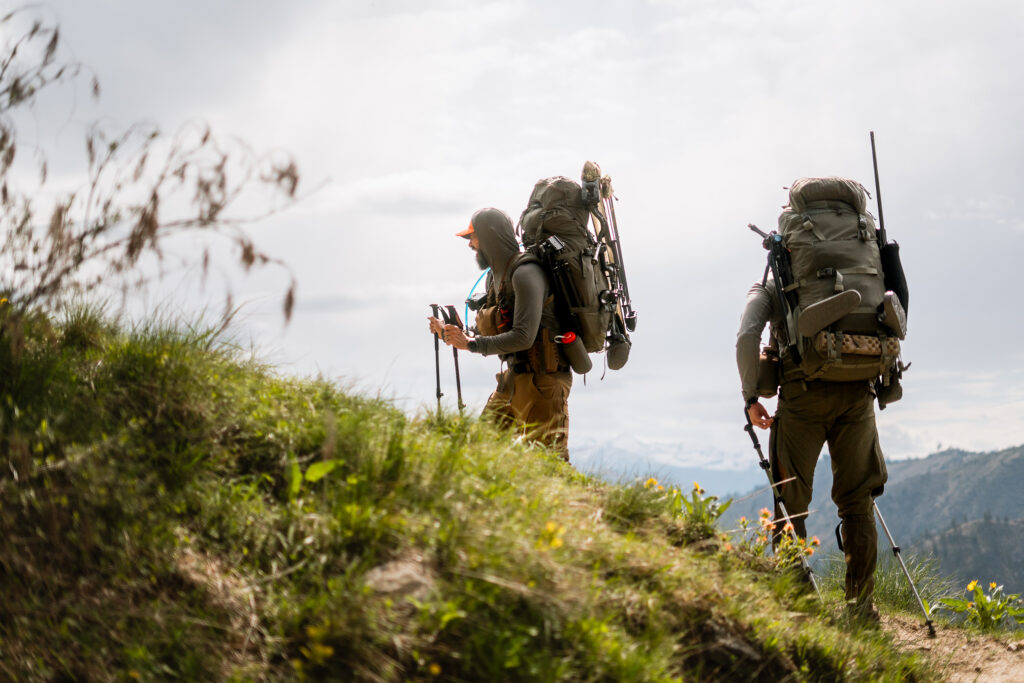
971,586
650,482
322,652
435,669
992,585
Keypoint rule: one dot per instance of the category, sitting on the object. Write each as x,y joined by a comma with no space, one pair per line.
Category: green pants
537,404
841,414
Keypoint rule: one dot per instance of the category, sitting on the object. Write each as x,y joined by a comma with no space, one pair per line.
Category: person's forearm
747,355
756,314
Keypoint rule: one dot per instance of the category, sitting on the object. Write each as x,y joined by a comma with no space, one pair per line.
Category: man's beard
481,260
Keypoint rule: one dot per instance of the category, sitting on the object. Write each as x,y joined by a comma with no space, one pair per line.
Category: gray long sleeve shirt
759,310
498,244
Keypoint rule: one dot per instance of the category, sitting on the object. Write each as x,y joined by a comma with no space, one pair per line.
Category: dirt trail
959,655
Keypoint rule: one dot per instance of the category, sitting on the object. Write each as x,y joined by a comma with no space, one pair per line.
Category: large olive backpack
833,250
555,227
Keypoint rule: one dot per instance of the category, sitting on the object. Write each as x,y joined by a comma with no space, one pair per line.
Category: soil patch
961,655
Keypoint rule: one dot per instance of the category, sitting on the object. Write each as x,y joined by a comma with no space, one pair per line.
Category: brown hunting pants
537,404
841,414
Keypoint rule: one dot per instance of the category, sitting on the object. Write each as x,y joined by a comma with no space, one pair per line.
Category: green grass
173,509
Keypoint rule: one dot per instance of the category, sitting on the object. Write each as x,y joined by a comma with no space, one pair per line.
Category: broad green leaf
319,470
294,480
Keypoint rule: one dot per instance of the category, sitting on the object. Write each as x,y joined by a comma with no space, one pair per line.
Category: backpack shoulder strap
503,288
519,260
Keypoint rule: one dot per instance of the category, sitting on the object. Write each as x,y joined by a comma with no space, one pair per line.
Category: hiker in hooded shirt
516,324
812,409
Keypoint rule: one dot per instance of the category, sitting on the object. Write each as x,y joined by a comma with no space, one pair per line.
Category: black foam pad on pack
895,280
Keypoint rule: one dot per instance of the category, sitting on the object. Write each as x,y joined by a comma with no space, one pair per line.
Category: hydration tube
470,295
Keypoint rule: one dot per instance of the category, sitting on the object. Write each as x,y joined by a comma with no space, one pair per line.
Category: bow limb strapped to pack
777,496
451,317
585,269
608,235
599,197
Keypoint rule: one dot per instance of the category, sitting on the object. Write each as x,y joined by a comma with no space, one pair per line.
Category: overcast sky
408,116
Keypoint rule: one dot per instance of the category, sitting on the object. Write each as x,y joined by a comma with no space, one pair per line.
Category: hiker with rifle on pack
835,325
546,308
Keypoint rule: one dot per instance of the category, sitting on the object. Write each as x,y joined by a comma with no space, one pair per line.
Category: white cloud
409,117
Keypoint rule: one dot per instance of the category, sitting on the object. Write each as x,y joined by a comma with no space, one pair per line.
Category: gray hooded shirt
498,244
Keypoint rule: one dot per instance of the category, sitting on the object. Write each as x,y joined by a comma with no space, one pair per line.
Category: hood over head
497,239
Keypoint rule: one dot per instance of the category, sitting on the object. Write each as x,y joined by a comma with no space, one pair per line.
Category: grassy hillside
173,509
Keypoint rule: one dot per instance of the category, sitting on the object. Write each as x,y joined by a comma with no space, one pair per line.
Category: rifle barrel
878,193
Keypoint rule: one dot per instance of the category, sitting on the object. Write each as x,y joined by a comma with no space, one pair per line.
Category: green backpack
584,265
848,325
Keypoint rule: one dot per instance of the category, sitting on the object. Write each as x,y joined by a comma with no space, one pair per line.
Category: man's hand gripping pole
777,495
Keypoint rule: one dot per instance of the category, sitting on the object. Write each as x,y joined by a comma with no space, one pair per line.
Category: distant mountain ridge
630,458
988,549
923,499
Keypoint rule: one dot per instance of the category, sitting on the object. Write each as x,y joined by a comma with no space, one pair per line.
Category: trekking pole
777,495
452,318
896,552
437,362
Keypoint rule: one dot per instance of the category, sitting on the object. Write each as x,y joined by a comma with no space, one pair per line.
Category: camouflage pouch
887,394
856,344
543,355
768,373
487,321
